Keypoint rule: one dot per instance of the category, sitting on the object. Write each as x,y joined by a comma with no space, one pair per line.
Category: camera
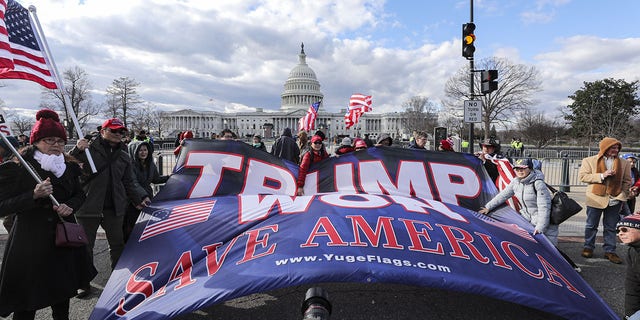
316,305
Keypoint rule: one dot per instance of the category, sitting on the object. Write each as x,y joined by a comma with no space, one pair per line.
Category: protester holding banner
490,150
316,154
35,272
533,196
345,147
609,180
628,230
146,173
109,190
420,141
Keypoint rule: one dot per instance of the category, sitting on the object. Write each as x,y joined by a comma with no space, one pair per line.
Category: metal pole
26,166
42,41
471,82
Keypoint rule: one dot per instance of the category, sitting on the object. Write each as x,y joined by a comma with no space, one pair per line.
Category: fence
560,172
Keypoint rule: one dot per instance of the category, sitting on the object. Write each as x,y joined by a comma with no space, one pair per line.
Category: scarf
613,184
50,162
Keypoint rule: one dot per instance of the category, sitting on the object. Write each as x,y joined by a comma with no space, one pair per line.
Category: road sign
473,111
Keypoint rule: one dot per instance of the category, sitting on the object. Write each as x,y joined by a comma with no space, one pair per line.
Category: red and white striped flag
358,104
505,175
308,122
21,56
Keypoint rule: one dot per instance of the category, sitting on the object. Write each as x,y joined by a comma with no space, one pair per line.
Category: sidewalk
387,301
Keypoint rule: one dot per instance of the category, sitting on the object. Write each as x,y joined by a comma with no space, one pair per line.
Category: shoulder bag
70,234
562,207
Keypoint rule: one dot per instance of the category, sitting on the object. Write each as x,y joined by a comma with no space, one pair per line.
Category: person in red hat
445,145
109,190
35,273
316,154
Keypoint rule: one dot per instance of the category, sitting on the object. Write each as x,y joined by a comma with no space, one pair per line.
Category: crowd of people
113,195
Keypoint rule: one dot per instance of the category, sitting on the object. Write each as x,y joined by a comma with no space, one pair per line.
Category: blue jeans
609,220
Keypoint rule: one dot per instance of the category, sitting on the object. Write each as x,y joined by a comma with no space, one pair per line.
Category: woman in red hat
316,154
35,272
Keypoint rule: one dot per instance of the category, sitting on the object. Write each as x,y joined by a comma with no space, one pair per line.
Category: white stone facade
301,89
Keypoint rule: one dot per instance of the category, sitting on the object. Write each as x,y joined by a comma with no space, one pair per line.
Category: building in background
301,89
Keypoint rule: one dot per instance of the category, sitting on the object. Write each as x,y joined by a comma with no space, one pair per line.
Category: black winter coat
632,280
35,273
116,178
146,173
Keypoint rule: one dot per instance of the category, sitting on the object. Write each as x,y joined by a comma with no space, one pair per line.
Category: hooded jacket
599,190
145,171
534,198
285,147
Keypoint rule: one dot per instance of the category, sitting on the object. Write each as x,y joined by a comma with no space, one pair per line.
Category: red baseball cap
114,124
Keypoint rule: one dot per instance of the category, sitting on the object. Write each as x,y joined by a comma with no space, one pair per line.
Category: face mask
256,145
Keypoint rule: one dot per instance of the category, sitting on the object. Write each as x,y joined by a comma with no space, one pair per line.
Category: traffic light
439,133
488,81
468,38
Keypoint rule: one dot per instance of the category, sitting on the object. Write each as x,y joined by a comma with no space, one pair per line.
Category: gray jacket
535,202
116,178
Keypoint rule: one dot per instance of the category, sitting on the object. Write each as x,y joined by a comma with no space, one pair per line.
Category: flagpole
42,42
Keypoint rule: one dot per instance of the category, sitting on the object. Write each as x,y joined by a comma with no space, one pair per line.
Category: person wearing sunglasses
109,190
316,154
534,200
629,233
533,197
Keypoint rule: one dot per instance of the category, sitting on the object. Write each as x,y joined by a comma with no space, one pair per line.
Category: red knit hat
47,125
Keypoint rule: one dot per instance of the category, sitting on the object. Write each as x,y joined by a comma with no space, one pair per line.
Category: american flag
358,104
505,175
177,217
20,53
308,122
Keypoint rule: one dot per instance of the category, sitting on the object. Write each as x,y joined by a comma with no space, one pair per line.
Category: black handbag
562,207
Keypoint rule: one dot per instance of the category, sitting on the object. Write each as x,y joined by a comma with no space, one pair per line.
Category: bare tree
124,92
419,114
517,83
537,129
77,92
20,123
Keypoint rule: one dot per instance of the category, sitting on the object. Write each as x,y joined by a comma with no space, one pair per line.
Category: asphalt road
387,301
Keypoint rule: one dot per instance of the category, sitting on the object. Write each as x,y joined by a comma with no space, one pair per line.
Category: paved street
385,301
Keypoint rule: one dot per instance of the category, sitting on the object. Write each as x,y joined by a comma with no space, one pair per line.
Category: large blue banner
227,224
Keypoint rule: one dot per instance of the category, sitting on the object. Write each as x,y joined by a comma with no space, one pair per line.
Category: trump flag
385,215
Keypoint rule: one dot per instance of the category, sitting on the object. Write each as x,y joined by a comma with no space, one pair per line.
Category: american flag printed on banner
358,104
308,122
180,216
20,54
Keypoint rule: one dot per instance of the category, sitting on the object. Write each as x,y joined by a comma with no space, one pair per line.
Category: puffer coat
534,199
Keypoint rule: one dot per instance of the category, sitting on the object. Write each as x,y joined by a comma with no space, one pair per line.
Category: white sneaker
577,269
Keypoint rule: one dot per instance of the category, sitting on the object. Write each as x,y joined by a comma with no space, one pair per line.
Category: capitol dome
302,87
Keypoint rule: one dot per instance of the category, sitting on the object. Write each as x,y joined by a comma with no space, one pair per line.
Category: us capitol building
301,89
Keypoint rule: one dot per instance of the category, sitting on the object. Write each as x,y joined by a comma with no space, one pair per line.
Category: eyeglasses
52,141
519,169
318,142
119,131
622,229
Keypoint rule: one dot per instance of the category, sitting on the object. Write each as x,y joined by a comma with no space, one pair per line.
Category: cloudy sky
228,55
